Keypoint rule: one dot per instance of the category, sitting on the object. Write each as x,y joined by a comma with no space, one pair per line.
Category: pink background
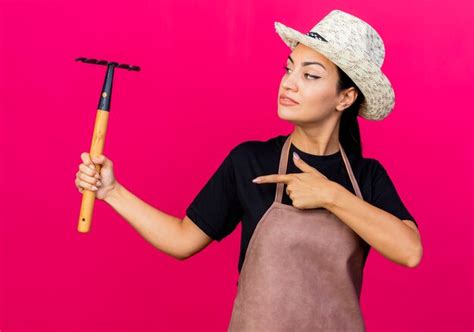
209,80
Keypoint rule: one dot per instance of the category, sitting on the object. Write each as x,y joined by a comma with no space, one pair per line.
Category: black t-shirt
230,196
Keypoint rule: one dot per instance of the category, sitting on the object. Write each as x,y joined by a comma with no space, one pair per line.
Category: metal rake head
107,63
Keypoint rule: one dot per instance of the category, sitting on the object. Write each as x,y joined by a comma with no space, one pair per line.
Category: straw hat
355,47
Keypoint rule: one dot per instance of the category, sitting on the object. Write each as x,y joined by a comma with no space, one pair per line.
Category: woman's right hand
87,177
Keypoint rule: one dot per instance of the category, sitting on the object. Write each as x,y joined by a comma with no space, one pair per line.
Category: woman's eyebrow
306,63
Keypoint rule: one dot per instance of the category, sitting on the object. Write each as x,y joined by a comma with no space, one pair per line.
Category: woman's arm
395,239
173,236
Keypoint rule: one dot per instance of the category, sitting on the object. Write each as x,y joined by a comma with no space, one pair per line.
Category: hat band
315,35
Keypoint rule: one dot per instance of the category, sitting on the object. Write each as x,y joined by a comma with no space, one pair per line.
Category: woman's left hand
307,190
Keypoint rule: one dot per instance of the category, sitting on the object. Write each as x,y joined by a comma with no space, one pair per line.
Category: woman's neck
320,143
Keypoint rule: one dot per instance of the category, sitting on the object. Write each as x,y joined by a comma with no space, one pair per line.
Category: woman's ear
347,98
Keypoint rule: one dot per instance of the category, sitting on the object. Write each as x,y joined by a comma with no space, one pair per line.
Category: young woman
311,205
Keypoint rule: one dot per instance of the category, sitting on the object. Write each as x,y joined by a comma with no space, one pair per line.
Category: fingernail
94,187
99,183
256,180
295,155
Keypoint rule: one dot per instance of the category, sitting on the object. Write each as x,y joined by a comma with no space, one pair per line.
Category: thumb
101,159
303,165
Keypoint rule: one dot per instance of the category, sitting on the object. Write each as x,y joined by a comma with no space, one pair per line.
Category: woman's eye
306,75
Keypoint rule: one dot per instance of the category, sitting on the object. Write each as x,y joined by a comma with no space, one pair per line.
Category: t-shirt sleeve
385,195
217,209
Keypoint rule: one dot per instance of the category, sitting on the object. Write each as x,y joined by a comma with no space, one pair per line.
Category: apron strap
282,168
355,185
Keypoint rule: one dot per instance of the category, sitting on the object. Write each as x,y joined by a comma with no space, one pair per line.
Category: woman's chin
288,113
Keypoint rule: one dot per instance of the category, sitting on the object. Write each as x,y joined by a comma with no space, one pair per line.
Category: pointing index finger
272,178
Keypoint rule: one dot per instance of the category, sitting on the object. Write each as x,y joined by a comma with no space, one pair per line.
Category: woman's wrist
113,193
332,198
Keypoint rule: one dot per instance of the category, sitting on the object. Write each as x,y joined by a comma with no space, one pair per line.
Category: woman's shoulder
372,166
369,171
258,147
368,166
368,163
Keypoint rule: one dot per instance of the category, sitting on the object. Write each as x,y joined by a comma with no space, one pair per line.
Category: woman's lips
287,101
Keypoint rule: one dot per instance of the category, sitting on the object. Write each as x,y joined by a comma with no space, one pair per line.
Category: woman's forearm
380,229
162,230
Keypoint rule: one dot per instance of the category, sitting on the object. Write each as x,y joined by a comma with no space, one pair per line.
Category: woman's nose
289,82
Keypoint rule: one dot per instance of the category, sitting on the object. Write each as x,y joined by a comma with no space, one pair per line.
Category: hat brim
378,92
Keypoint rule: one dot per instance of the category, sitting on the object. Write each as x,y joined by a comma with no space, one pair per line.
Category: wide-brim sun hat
357,49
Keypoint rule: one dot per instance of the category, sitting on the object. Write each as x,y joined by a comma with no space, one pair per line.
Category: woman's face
310,79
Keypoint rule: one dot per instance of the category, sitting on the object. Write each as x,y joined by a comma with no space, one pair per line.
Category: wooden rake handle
97,148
